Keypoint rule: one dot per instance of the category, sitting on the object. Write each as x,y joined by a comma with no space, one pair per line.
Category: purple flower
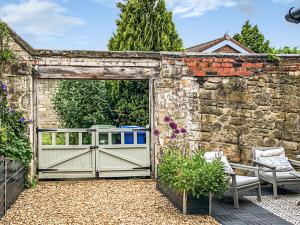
30,121
176,131
167,119
173,125
156,132
22,120
4,87
173,136
183,131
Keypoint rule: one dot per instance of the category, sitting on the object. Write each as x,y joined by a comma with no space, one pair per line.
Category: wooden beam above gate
96,73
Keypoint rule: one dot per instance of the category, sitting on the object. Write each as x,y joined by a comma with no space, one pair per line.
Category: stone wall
46,114
232,103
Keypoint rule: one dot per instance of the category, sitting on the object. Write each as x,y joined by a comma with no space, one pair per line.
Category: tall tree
144,25
251,37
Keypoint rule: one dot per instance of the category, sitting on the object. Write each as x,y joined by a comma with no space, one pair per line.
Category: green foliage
252,38
80,103
184,171
14,142
193,174
86,103
288,50
127,103
31,183
6,55
145,25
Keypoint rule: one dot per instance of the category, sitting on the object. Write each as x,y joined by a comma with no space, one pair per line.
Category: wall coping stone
130,54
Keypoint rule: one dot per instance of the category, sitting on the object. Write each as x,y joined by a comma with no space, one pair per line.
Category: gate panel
122,153
66,153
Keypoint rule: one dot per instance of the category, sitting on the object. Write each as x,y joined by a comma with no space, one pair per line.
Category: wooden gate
90,153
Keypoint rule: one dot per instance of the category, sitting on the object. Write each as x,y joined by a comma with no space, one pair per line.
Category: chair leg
258,193
236,199
275,190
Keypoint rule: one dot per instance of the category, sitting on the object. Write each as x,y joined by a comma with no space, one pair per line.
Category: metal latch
94,147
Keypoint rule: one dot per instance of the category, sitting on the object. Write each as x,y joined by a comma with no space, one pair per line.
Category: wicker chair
239,183
272,175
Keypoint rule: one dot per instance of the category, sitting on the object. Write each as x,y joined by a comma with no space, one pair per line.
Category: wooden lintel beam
97,73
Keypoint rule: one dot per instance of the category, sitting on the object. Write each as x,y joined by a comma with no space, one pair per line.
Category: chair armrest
233,179
263,164
294,162
231,174
244,167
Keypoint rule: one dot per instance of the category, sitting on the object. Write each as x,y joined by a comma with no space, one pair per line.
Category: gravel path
284,206
97,202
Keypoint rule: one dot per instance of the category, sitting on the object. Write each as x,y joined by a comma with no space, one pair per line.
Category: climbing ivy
6,54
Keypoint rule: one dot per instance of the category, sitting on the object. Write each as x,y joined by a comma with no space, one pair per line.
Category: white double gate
90,153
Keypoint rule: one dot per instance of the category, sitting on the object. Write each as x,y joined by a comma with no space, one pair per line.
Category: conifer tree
144,25
252,38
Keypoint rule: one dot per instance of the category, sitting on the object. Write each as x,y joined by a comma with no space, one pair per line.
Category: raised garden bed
12,180
193,205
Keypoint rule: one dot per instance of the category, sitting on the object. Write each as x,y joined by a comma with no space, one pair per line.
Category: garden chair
275,168
239,183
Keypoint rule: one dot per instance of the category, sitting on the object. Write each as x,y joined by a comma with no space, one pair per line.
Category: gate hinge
91,130
44,130
143,168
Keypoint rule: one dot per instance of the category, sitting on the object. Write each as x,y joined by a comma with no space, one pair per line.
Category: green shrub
184,171
193,174
14,141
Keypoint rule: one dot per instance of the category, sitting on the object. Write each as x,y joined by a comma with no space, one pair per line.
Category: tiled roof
207,45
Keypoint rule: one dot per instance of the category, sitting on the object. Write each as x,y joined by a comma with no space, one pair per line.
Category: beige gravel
108,202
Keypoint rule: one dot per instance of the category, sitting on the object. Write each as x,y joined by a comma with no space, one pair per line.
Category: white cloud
40,19
190,8
284,1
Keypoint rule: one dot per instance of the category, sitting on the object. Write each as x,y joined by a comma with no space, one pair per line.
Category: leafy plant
184,171
193,174
252,38
14,141
6,55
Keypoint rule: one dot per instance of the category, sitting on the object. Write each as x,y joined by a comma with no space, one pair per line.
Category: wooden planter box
193,205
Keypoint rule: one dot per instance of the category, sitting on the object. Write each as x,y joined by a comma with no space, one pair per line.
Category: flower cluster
174,128
14,142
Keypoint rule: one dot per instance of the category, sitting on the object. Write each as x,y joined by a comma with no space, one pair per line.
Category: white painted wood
66,161
85,161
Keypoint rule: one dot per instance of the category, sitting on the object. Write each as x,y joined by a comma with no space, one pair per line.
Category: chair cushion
281,163
244,180
210,156
227,167
280,175
279,151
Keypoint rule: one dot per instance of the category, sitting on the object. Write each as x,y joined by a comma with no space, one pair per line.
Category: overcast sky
88,24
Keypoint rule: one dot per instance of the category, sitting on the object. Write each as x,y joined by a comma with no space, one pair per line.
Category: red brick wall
222,66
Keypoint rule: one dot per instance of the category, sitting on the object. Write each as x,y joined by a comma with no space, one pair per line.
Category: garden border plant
185,172
14,140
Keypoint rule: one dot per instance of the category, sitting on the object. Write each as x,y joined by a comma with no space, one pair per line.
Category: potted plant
187,179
